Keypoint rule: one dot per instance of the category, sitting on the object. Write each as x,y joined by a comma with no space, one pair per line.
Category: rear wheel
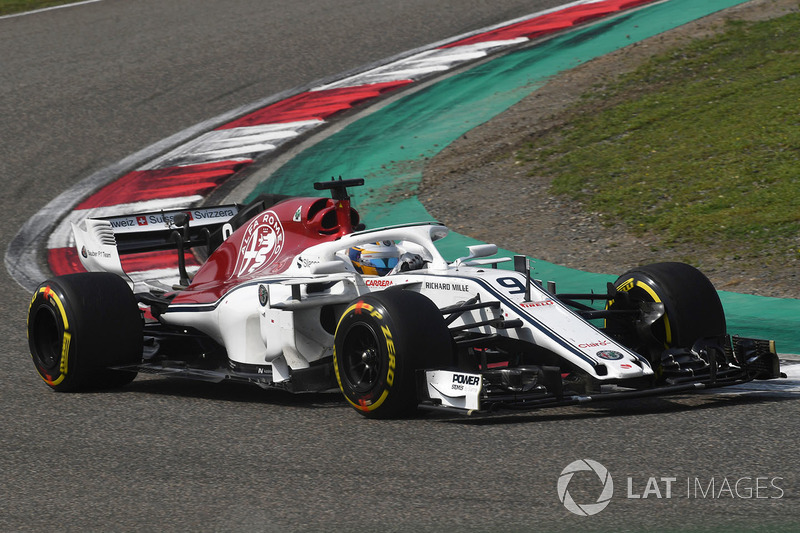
680,303
79,325
380,342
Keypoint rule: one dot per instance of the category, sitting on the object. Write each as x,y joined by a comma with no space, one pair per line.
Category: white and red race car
295,294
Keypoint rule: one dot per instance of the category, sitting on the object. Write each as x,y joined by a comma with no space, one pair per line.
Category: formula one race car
295,294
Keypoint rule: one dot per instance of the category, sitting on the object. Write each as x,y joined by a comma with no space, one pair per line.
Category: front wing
535,387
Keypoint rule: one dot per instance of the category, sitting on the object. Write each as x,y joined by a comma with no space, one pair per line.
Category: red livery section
314,104
268,244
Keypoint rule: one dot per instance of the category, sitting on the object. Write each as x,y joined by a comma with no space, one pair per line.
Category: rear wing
147,232
101,241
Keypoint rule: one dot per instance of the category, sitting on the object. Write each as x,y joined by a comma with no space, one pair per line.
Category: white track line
62,6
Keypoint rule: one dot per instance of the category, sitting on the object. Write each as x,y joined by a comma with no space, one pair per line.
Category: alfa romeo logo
261,244
585,509
610,355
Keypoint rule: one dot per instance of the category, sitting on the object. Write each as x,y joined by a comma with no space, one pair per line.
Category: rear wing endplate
101,241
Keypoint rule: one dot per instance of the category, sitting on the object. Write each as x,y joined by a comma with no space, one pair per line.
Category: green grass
700,145
8,7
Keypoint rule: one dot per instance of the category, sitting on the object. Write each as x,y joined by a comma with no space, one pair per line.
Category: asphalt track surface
86,86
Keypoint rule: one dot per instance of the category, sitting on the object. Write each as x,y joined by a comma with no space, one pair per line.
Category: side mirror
477,250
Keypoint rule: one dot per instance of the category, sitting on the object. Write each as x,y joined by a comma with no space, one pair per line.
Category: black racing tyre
692,308
79,325
381,340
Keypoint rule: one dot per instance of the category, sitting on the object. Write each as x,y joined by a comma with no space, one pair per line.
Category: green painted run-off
389,148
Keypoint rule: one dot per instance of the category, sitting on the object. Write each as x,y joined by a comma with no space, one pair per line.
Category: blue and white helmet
375,258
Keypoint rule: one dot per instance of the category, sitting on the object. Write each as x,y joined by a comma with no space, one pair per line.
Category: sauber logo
262,243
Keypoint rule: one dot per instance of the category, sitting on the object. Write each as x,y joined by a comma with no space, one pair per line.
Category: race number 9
514,285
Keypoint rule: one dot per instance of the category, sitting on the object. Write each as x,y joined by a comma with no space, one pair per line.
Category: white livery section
278,321
454,389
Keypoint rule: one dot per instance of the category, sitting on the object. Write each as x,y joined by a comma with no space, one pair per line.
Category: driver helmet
375,258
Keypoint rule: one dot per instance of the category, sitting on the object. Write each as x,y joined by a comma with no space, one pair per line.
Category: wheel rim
360,358
46,339
661,328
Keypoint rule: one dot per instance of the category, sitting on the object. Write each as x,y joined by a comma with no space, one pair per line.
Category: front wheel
680,303
381,340
80,325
